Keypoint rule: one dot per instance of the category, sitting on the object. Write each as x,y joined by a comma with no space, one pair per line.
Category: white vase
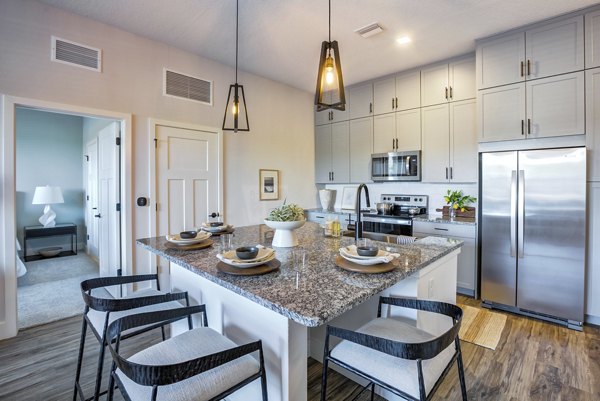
326,196
285,236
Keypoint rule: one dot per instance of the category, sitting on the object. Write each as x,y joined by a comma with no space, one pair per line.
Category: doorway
8,279
64,152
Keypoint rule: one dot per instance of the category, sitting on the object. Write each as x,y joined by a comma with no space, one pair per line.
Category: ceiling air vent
65,51
187,87
369,30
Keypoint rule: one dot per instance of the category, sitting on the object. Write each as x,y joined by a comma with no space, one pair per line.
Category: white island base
286,343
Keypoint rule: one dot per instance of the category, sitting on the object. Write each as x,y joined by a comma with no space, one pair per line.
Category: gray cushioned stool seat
189,345
97,318
398,373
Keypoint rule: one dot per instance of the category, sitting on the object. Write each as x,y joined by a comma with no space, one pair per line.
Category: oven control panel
406,200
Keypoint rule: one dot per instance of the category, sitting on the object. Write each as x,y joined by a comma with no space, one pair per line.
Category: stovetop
402,203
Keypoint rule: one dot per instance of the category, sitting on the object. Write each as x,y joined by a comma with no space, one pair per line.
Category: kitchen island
288,309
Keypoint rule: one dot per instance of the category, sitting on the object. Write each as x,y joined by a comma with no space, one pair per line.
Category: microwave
396,166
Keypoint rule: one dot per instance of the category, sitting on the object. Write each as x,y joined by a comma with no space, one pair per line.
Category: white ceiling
281,39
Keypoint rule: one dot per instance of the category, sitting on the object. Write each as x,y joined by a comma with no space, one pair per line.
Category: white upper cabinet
323,153
555,106
408,91
501,113
332,150
542,51
436,143
463,141
360,101
554,48
592,39
500,60
592,104
339,115
384,96
330,116
361,147
384,133
408,130
442,83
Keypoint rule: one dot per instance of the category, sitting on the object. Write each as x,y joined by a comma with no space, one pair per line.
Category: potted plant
285,220
458,201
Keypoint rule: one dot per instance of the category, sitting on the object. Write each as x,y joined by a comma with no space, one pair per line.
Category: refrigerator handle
513,213
521,212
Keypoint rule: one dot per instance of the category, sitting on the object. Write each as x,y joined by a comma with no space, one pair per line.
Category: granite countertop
322,291
468,221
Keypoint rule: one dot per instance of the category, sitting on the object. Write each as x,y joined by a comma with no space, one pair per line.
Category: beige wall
281,117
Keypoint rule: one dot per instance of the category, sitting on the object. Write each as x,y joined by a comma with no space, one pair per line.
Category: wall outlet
430,288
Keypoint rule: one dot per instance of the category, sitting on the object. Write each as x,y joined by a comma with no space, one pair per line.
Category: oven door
388,226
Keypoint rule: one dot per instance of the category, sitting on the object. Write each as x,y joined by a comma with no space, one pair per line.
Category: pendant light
330,83
236,114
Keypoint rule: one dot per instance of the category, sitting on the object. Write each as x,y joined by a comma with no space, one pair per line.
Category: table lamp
47,196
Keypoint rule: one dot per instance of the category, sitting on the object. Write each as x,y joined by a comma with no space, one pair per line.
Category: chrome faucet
358,228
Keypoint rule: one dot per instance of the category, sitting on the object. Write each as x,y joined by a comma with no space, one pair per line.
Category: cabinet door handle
371,107
450,172
522,68
451,95
440,229
333,176
393,144
528,67
529,126
522,127
396,143
446,93
392,103
446,172
396,103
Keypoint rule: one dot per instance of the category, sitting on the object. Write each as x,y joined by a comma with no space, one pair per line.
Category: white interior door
188,181
109,229
91,200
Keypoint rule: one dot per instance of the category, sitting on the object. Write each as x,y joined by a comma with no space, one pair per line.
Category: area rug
50,290
481,327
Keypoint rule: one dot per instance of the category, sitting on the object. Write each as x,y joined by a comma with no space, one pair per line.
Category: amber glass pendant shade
330,82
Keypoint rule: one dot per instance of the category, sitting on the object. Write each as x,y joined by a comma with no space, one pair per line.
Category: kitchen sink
374,236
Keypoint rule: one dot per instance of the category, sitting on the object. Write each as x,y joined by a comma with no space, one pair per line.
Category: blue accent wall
49,151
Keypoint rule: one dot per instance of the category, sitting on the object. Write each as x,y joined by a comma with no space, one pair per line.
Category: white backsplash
436,192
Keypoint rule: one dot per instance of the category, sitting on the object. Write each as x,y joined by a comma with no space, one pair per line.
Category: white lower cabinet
592,309
467,259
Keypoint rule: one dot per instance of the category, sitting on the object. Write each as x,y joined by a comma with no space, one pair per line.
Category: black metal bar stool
196,365
99,312
396,355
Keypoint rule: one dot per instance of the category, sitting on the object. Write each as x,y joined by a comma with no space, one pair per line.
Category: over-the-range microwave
396,166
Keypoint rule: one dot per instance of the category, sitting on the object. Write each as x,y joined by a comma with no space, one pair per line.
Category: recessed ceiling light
369,30
402,40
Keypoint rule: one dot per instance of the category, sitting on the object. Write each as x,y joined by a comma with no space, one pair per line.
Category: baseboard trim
593,320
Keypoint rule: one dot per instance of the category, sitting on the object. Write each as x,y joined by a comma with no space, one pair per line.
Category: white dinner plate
176,239
350,252
244,265
369,262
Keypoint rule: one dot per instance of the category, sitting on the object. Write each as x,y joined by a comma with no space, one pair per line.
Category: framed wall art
268,184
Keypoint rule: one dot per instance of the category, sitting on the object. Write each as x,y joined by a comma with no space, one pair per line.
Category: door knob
98,216
213,215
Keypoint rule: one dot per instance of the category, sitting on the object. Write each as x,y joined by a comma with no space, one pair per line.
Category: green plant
457,200
285,212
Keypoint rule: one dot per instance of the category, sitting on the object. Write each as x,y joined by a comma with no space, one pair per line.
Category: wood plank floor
533,361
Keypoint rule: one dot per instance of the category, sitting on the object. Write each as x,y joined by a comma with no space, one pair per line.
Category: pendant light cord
237,10
329,21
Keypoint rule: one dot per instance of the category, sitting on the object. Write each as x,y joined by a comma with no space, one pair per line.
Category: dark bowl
188,234
367,250
215,223
246,252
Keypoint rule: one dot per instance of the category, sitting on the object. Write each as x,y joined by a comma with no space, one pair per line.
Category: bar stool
99,312
396,355
197,365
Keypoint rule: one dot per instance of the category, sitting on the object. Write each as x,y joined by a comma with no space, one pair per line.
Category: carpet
50,289
481,327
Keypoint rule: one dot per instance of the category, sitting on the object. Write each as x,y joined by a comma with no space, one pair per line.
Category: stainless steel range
398,220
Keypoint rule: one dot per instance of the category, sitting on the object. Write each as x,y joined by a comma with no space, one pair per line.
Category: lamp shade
47,195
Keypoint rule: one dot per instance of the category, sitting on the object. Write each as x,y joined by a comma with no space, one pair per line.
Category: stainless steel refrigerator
533,232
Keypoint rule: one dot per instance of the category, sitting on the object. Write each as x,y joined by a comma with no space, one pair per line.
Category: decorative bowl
49,252
367,250
285,237
188,234
216,223
246,252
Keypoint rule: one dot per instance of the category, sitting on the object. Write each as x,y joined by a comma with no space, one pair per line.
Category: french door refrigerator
533,233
